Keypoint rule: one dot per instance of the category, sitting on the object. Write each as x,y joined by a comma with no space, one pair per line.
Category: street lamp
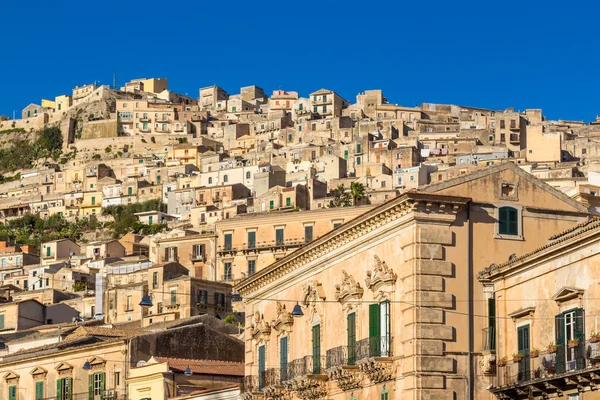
297,311
87,366
188,371
146,301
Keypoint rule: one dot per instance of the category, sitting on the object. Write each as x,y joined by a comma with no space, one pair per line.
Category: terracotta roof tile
211,367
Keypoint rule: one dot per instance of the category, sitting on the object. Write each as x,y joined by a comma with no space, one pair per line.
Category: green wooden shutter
69,388
48,249
559,325
2,321
261,366
316,344
374,330
283,358
12,393
288,202
351,338
271,204
523,349
58,391
91,386
503,220
580,334
39,390
102,377
491,324
251,240
513,221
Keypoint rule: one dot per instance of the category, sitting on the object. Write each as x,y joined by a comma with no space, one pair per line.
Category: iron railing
341,356
375,346
250,384
307,365
544,365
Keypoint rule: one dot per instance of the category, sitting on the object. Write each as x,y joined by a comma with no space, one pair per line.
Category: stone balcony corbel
378,369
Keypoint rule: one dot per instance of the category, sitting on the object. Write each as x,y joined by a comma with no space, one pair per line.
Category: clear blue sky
526,54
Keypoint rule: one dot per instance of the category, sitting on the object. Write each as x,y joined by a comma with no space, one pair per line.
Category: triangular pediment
38,371
63,366
96,361
10,375
567,293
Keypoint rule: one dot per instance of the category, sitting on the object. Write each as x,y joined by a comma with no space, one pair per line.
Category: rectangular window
345,154
12,393
261,367
39,390
227,271
129,303
491,334
173,296
251,240
279,238
288,202
271,204
324,109
93,201
96,384
316,349
502,124
351,338
308,233
129,191
227,244
379,329
63,389
283,358
358,148
48,250
251,267
508,218
117,379
524,369
569,327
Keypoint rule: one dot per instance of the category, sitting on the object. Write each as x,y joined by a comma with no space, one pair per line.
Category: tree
230,319
357,191
50,139
341,198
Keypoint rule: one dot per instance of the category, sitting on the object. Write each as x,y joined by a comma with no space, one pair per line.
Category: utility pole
114,81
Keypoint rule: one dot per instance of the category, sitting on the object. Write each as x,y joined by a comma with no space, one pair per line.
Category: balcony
169,258
515,138
549,374
162,119
272,245
489,338
197,257
376,346
145,119
306,366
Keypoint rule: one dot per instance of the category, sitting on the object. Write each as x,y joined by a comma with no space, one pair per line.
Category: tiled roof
211,367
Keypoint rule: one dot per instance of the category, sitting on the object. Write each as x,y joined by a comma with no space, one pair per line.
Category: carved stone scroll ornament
382,277
346,379
276,393
312,294
377,371
284,321
307,389
349,290
260,329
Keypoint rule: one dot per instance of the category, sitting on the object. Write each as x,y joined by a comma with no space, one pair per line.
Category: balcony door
316,349
261,367
379,330
523,349
570,327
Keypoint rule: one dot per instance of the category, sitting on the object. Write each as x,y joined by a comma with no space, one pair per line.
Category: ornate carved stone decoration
382,276
487,364
307,389
377,371
260,329
284,321
11,377
348,290
312,293
276,393
346,379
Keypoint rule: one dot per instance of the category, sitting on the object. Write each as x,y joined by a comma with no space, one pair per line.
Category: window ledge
508,237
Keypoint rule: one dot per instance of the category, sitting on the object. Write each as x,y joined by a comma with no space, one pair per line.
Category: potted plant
552,348
595,337
573,343
517,357
501,362
534,353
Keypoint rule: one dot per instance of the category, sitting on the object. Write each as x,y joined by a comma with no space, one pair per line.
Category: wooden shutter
251,240
39,390
523,349
351,338
261,366
559,326
503,220
316,344
580,334
279,237
283,358
91,386
102,377
1,321
58,391
374,330
12,393
166,254
513,221
175,258
491,324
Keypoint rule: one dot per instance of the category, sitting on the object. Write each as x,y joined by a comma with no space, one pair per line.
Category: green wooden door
316,349
39,390
12,393
283,358
261,367
491,337
559,326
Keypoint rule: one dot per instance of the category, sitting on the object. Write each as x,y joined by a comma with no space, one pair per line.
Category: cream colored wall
149,382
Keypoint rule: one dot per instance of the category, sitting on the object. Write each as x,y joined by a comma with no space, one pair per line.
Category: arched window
508,220
225,178
210,180
248,175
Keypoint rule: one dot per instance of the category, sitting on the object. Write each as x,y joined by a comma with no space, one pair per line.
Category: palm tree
340,197
357,191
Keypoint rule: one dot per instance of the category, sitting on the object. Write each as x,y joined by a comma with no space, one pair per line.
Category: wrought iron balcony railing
307,365
375,346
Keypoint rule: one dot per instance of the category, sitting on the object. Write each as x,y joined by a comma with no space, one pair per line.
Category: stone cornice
392,210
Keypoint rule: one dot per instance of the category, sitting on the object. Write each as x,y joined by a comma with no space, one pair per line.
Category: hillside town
157,245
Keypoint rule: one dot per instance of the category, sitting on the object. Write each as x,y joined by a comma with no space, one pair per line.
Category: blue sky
527,54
